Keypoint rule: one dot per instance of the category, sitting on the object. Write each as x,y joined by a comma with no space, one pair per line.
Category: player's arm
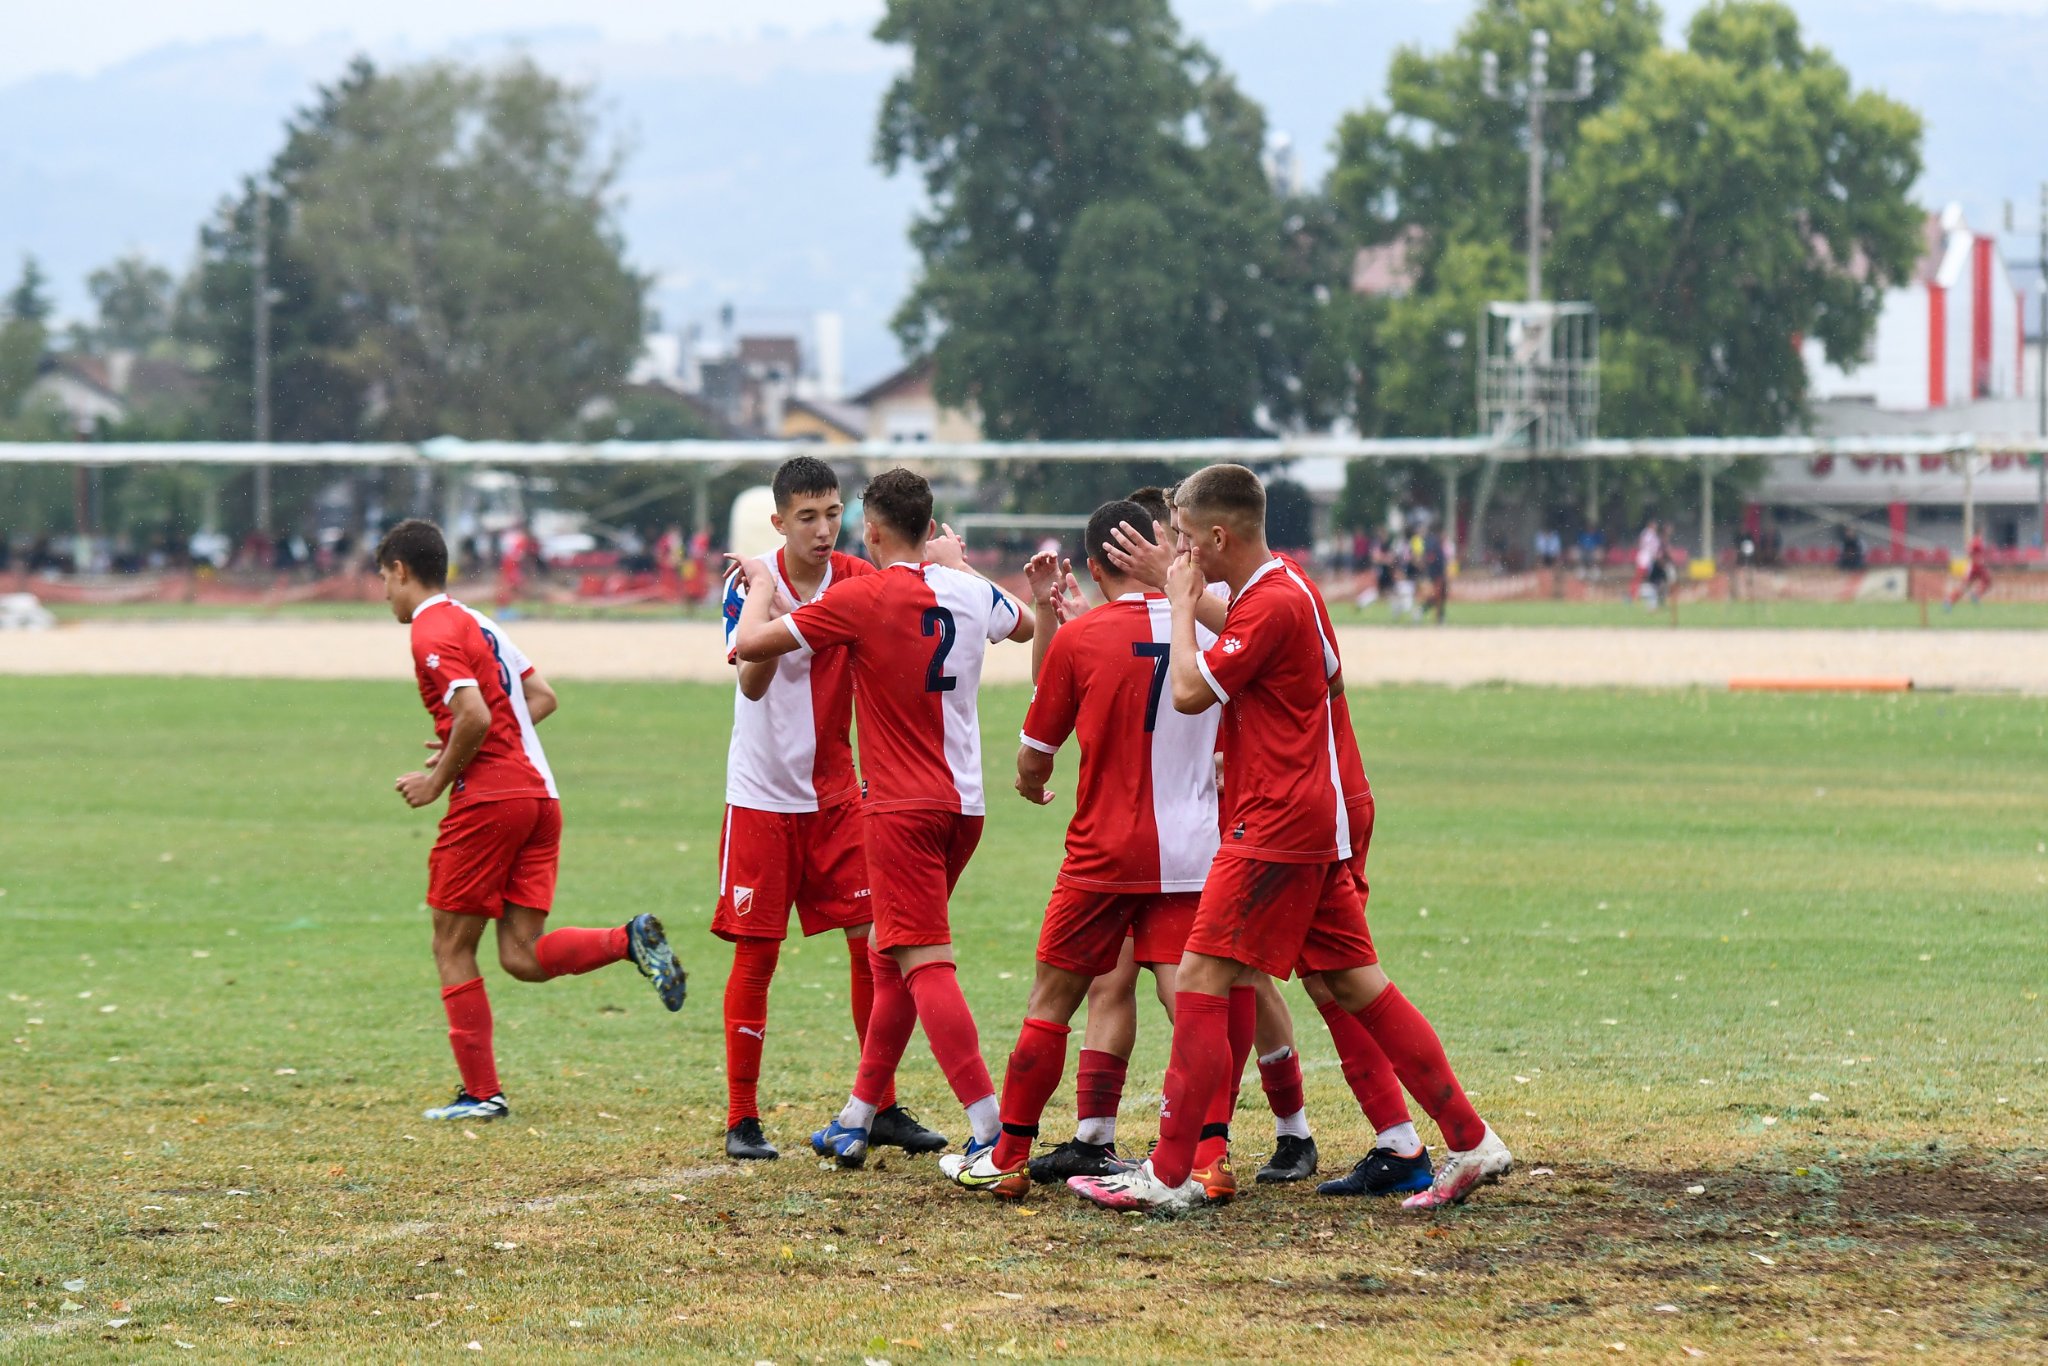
949,550
541,702
762,636
472,722
1042,573
1034,771
1149,563
1184,593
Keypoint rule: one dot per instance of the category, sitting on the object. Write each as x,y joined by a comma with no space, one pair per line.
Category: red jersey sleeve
836,617
441,656
1054,702
1251,634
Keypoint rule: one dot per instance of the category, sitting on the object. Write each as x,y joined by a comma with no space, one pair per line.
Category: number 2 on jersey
1156,651
939,622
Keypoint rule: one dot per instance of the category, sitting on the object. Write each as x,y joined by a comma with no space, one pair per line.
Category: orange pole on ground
1820,685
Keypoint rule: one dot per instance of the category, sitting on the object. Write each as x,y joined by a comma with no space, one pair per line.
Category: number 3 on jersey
939,622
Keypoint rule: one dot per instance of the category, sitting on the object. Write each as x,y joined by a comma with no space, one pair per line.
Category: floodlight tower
1534,95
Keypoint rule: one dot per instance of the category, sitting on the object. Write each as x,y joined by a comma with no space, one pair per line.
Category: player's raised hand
1068,600
1146,561
1042,575
1184,582
948,548
418,789
1035,793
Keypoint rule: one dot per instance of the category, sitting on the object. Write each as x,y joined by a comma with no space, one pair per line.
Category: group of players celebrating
1219,839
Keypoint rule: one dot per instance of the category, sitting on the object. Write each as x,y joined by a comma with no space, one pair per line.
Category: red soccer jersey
1271,669
1350,763
790,750
456,647
1145,806
916,634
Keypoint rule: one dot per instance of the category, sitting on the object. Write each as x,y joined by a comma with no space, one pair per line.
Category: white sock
1268,1059
858,1114
1401,1139
1099,1129
987,1118
1292,1126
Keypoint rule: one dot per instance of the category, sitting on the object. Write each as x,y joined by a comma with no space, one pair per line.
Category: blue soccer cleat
648,946
1384,1172
847,1147
468,1107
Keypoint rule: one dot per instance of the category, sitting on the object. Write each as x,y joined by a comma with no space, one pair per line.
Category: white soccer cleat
1139,1189
1462,1173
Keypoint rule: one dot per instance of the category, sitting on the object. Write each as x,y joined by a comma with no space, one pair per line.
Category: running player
1976,583
1279,898
1138,848
496,855
792,815
916,634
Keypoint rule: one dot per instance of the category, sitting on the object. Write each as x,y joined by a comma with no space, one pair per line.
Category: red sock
1366,1069
746,1025
862,982
1418,1058
469,1034
1198,1069
1214,1144
890,1023
1099,1084
1032,1077
949,1029
1281,1081
568,951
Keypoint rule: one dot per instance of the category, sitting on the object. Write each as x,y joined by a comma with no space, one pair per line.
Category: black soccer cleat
1384,1172
649,949
896,1127
1293,1159
1075,1158
744,1142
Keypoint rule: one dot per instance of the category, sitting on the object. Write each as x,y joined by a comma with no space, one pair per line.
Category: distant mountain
751,179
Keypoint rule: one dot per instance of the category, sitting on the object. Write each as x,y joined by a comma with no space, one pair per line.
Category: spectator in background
1592,547
1549,548
1436,573
1850,558
1649,549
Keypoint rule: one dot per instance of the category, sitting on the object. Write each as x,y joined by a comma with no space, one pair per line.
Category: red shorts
914,859
770,859
1084,930
1361,841
493,854
1282,918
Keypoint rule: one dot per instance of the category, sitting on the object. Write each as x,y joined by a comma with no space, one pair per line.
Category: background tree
1102,256
22,336
133,299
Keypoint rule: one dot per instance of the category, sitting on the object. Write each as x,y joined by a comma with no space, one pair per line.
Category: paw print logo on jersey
1231,645
433,661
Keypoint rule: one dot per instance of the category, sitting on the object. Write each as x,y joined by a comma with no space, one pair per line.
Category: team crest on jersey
433,661
1231,645
742,900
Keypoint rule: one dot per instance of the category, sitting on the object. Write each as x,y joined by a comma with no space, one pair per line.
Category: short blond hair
1223,495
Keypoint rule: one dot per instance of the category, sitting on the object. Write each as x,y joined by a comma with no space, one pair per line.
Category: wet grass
1785,950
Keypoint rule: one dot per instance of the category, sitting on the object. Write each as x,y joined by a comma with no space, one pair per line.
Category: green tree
22,336
1102,256
133,296
29,300
445,259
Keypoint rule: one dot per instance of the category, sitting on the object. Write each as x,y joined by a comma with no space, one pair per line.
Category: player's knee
1318,990
520,964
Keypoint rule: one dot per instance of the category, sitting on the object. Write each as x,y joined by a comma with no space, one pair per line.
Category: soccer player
792,815
1976,583
1138,848
496,855
916,633
1279,898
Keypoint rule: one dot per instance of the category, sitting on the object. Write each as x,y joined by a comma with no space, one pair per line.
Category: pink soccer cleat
1138,1189
1462,1173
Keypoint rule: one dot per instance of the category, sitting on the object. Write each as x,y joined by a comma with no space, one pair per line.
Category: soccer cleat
468,1107
1463,1173
1218,1182
1075,1158
980,1173
896,1127
1294,1159
1384,1172
656,960
745,1142
1139,1189
847,1147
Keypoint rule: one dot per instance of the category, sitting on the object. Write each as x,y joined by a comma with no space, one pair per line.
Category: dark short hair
901,501
804,474
1153,499
420,547
1231,494
1108,518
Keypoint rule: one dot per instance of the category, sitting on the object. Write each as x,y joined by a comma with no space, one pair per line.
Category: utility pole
2040,351
1534,95
260,424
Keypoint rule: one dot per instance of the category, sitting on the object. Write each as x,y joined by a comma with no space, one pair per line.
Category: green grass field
1752,985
